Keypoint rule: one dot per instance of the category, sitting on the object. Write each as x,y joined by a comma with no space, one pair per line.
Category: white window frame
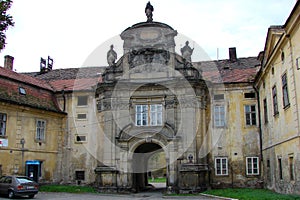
249,113
219,119
3,124
223,160
250,163
148,115
40,130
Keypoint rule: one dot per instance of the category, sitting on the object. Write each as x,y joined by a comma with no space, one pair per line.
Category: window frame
285,92
219,122
145,115
252,173
79,103
250,113
80,141
3,123
221,166
38,130
265,104
81,114
275,101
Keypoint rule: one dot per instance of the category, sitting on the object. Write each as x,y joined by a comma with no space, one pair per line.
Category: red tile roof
38,95
225,71
74,84
7,73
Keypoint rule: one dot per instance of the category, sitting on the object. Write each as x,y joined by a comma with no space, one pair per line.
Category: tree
5,21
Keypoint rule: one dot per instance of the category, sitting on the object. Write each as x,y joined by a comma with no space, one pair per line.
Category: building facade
278,85
215,124
32,127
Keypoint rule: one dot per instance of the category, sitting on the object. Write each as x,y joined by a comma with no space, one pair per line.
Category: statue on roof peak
148,10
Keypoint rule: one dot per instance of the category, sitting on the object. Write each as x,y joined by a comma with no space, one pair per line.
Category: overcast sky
70,31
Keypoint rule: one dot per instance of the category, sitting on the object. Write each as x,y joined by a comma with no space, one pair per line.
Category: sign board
3,142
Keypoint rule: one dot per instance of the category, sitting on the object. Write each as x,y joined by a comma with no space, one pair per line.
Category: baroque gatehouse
152,100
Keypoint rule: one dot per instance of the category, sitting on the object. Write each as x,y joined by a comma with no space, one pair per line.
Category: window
221,166
22,91
79,175
148,115
291,163
249,95
82,101
218,97
280,168
250,115
2,124
81,116
252,166
40,130
285,91
219,115
275,102
266,110
80,138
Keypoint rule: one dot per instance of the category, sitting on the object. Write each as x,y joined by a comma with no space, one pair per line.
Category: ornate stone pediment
148,55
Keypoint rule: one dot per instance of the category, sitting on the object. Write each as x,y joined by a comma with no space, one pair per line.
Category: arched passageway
143,165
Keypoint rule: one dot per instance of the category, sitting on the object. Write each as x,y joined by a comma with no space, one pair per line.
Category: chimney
232,54
8,62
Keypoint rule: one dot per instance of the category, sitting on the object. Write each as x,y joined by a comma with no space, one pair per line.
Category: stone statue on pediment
187,52
148,10
111,56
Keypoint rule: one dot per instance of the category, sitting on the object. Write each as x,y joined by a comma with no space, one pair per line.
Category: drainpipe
64,98
259,123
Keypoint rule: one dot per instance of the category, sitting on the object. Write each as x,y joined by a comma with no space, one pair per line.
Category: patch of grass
251,194
157,180
67,188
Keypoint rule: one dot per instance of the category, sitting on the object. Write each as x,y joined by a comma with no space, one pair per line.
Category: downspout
259,122
64,98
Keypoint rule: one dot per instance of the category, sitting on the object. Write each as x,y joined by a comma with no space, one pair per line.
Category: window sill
287,107
40,141
276,114
3,136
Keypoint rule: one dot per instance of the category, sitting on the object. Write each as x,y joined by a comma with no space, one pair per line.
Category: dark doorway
141,169
33,169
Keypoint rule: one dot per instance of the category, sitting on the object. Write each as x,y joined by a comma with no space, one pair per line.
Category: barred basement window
79,175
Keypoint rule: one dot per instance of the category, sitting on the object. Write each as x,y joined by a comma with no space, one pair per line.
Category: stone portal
151,100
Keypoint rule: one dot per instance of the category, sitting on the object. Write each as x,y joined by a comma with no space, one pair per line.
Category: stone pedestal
193,178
